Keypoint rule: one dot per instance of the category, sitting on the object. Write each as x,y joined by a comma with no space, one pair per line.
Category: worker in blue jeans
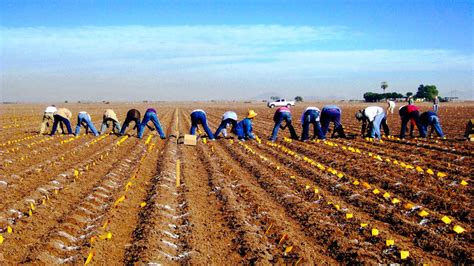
198,116
282,114
332,113
229,118
430,119
84,118
150,114
311,116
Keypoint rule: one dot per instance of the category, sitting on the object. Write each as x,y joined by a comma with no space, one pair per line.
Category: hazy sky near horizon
200,50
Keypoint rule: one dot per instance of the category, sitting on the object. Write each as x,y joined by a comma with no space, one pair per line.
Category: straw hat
251,114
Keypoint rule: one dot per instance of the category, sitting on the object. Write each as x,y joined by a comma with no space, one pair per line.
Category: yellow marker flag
429,171
30,213
349,215
363,225
9,229
441,174
109,235
143,204
1,239
89,258
446,220
404,254
390,242
386,195
76,173
340,175
376,191
356,183
458,229
288,249
395,201
32,206
316,191
375,232
308,187
423,213
464,183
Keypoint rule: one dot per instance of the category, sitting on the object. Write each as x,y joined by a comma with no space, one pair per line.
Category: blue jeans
435,108
375,130
223,125
200,118
332,115
310,118
154,118
115,124
85,118
433,121
280,117
57,120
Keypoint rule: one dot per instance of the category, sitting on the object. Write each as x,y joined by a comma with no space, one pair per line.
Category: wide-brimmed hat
251,114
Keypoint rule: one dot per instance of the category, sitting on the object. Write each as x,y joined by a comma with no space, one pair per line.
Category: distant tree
427,91
66,101
298,99
384,86
409,94
274,98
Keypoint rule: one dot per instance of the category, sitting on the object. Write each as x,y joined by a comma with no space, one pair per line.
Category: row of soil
291,162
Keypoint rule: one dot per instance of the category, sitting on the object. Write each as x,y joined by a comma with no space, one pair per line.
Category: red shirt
283,109
412,108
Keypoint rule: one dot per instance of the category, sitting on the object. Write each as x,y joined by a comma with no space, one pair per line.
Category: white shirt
391,104
229,114
372,111
198,110
50,109
311,108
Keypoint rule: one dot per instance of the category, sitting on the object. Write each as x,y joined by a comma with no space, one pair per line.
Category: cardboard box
190,140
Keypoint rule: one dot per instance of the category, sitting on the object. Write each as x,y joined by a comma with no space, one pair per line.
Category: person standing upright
435,104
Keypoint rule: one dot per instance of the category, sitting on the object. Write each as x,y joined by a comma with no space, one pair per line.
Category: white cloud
203,57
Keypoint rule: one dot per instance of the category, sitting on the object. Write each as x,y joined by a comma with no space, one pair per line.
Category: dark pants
332,115
279,118
127,122
223,125
200,118
415,115
310,118
60,119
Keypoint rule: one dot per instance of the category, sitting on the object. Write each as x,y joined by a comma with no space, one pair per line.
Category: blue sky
185,50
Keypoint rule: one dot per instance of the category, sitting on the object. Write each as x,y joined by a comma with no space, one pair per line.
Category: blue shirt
244,129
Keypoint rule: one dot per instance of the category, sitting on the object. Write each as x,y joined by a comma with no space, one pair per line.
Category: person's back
64,112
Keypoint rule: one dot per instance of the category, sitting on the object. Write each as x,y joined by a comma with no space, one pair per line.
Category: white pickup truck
280,102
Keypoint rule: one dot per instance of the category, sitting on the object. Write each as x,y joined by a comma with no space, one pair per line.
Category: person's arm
364,127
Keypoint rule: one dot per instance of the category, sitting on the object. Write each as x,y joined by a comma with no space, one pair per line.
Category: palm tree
384,86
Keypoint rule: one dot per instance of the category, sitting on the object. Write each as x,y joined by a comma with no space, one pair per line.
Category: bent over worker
430,118
110,116
84,118
332,113
410,113
311,115
151,114
243,130
198,116
373,117
282,114
62,115
48,118
132,115
229,118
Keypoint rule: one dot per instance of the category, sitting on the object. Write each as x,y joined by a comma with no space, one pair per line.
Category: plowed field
117,199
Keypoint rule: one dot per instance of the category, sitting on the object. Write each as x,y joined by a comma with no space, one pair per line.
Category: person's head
403,110
251,114
359,115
